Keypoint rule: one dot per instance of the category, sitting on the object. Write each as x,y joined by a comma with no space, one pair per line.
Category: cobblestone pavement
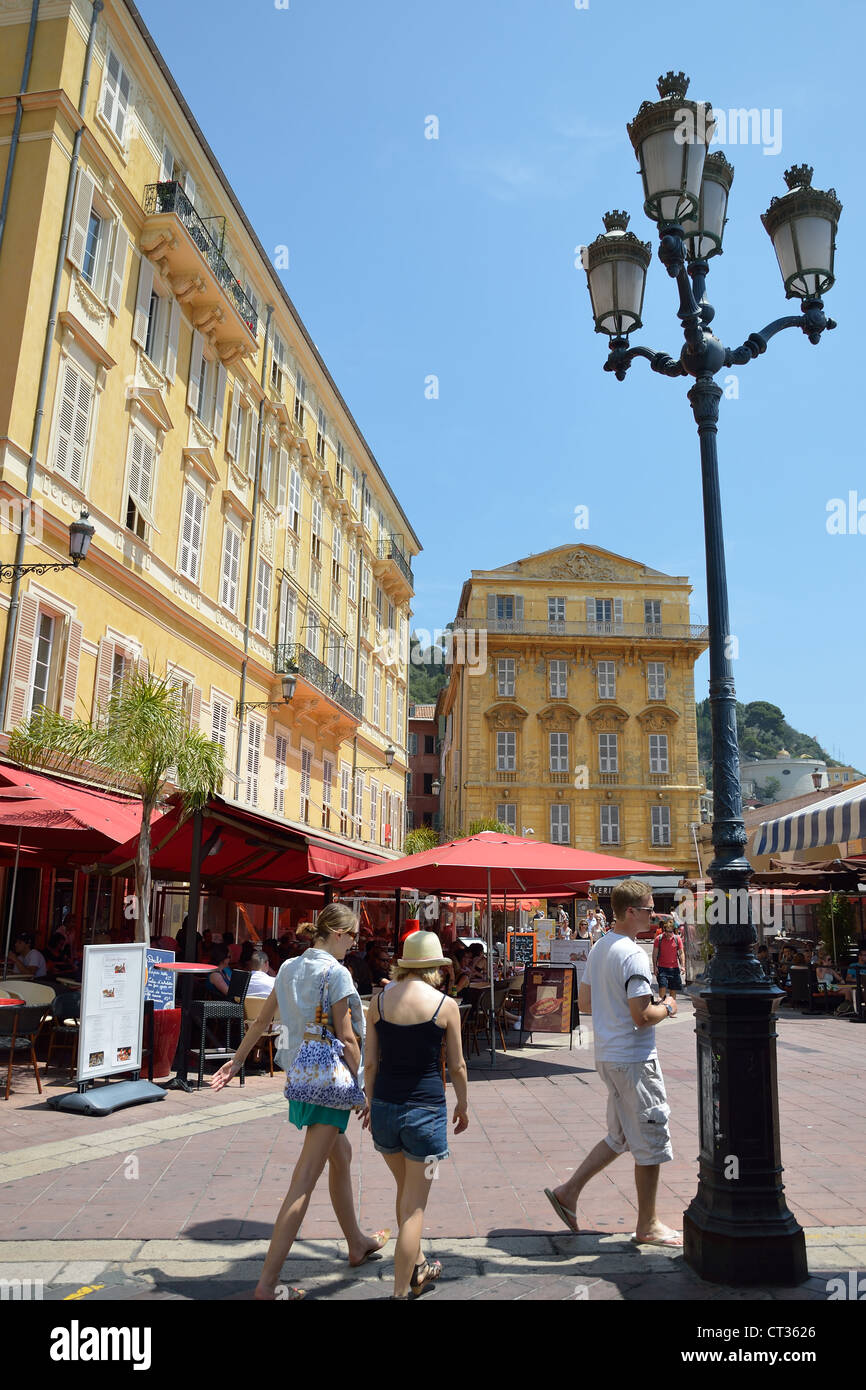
178,1199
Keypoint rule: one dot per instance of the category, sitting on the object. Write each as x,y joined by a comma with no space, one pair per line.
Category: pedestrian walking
408,1116
617,991
301,984
669,960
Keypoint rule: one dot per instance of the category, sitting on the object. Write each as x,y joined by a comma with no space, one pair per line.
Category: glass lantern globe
802,225
616,265
704,230
670,138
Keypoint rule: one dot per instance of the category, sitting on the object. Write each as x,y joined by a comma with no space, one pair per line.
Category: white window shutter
282,480
166,168
102,684
80,218
518,608
220,400
70,672
234,417
254,431
142,302
590,610
195,364
189,187
617,610
73,424
491,608
118,268
195,708
28,614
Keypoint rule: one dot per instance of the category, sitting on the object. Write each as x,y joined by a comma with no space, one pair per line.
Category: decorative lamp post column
738,1229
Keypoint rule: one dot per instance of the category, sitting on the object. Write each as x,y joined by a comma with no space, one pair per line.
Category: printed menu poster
112,1000
574,952
548,999
545,930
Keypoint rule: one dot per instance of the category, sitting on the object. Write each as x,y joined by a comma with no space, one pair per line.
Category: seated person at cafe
763,954
826,974
261,981
478,961
58,956
358,967
25,961
218,979
851,974
462,962
378,959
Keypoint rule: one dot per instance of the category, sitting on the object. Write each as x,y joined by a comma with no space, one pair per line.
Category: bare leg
414,1185
400,1177
598,1158
318,1142
343,1201
646,1180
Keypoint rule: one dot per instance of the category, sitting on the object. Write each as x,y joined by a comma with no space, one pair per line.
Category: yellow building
570,710
242,524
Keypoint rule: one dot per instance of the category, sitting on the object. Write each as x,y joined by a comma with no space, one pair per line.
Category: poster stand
550,1001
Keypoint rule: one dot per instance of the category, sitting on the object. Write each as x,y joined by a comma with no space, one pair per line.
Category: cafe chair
32,992
487,1016
21,1027
65,1027
252,1009
229,1011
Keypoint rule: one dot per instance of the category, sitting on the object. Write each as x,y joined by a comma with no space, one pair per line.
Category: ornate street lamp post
738,1228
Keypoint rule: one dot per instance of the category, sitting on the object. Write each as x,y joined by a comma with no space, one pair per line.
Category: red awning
240,846
57,815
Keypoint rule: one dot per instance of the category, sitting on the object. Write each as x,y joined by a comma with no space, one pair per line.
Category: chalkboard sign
520,946
159,984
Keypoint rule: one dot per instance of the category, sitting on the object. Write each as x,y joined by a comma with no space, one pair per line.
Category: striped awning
834,821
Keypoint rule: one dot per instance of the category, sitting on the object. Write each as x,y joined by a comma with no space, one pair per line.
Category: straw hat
421,951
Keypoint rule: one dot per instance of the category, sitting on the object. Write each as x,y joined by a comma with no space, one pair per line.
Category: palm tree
141,742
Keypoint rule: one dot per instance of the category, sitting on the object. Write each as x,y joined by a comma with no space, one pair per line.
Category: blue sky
411,257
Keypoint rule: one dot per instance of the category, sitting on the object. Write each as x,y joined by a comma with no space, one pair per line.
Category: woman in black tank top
408,1116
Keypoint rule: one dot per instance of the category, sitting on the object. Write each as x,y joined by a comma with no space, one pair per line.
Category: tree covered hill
762,731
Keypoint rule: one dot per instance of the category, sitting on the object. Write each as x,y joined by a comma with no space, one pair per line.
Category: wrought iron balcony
291,656
541,627
390,548
164,198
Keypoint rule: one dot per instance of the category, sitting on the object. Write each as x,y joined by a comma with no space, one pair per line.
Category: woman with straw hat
408,1115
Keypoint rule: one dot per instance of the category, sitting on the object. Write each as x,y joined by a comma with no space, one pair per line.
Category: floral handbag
318,1075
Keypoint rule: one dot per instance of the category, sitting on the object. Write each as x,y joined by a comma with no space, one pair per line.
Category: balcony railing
292,656
659,779
608,779
505,776
540,627
562,778
390,549
170,197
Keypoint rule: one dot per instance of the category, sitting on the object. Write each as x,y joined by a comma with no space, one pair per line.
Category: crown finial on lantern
673,84
799,176
615,221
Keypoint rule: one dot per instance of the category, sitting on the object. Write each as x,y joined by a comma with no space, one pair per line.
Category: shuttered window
306,781
658,753
281,773
191,529
506,752
505,676
219,723
254,760
142,461
606,675
116,88
560,825
231,568
73,423
661,825
263,598
288,615
655,674
327,785
295,501
608,755
558,680
559,752
610,825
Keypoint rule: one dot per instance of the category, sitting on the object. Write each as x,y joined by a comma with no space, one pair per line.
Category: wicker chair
481,1022
229,1010
19,1029
65,1027
252,1009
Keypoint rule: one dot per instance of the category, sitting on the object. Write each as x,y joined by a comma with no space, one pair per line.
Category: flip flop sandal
569,1218
671,1242
375,1254
431,1270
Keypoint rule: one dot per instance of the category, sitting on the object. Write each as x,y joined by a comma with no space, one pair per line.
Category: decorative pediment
580,562
200,461
94,350
607,717
560,712
150,402
232,506
655,719
505,715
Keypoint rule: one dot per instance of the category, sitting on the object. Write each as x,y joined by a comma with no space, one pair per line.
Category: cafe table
183,968
11,1003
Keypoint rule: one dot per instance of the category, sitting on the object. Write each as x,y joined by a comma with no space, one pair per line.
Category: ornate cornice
505,715
559,713
655,719
607,716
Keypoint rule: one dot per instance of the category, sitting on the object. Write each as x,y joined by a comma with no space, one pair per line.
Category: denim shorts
418,1131
669,977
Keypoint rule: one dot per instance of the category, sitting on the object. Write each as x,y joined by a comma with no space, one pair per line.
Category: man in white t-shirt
27,962
261,983
617,990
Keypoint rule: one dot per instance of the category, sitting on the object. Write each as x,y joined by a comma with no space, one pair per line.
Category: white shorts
637,1111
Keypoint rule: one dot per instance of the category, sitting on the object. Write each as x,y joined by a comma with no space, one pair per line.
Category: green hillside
762,731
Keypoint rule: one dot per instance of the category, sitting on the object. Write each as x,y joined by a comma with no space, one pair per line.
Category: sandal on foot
423,1275
566,1216
381,1238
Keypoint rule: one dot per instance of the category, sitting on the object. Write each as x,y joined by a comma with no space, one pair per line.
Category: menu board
159,984
549,999
574,952
520,947
545,929
112,1010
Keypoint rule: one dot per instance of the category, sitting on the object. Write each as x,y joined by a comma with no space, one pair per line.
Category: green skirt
301,1115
